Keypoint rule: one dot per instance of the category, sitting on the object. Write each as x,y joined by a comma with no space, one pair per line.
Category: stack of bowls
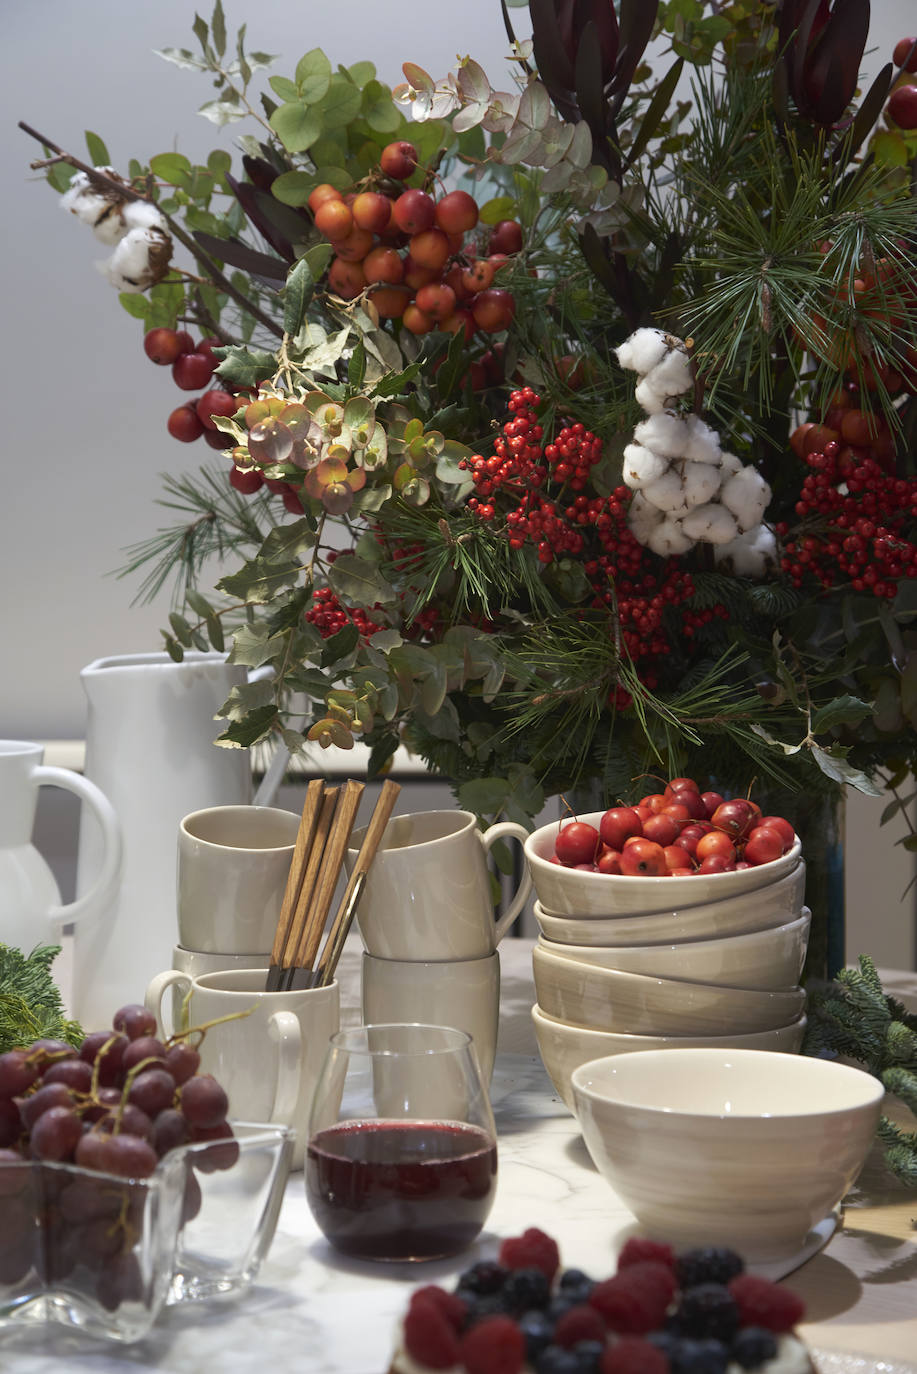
643,963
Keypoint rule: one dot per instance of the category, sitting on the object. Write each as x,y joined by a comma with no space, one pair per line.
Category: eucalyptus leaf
98,153
296,125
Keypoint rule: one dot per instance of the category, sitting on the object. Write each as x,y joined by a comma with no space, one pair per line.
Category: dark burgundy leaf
240,255
260,172
655,112
799,20
636,27
247,196
554,66
781,91
296,225
590,95
597,259
833,69
602,15
871,106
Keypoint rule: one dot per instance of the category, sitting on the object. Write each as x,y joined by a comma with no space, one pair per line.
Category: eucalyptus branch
107,183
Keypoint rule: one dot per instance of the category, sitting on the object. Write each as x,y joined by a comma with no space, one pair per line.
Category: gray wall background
83,433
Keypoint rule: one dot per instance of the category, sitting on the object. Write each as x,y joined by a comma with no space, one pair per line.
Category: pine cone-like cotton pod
665,434
643,350
140,260
713,524
752,554
669,539
747,495
668,493
643,517
641,466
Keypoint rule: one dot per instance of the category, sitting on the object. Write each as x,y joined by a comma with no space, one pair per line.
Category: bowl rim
872,1090
554,1024
542,940
619,975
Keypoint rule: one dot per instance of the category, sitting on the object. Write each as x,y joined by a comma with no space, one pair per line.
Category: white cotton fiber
747,495
712,523
669,539
665,434
642,518
641,466
140,214
700,483
703,443
751,554
673,375
643,350
649,398
668,493
140,260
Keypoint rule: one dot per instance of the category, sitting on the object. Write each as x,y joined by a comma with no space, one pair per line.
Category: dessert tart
695,1312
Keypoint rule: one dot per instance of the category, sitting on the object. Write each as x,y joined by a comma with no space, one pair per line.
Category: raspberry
496,1346
635,1301
428,1335
532,1250
581,1323
762,1303
631,1355
707,1264
452,1306
639,1248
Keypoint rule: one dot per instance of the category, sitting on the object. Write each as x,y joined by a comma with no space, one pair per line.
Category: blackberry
537,1328
480,1305
689,1356
575,1280
589,1354
484,1277
753,1347
525,1289
554,1359
707,1264
664,1340
708,1309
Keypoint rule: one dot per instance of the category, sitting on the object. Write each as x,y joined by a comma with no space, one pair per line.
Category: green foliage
854,1018
31,1007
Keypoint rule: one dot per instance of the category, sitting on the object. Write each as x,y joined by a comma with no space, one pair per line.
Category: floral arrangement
563,430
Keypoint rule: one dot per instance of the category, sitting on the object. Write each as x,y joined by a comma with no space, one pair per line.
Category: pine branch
31,1007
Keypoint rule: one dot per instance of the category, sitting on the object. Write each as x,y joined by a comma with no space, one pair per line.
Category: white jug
150,747
30,905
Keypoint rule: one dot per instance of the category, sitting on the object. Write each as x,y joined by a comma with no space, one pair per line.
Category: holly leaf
260,581
253,645
296,296
359,583
836,767
846,710
246,367
244,733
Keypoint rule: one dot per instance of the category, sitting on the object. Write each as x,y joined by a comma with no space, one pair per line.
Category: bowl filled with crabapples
676,848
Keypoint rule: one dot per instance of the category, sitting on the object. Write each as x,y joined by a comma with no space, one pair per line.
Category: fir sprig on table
854,1017
31,1007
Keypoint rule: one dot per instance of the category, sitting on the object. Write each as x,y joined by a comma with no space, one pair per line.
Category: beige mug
269,1056
233,863
462,993
428,892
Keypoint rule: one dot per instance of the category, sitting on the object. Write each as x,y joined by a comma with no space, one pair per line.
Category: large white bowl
727,1147
576,892
609,999
759,959
773,905
563,1048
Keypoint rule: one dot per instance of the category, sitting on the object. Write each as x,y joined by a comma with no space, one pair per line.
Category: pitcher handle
513,831
104,813
286,1032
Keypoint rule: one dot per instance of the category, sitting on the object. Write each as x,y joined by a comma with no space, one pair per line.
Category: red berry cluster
853,519
328,616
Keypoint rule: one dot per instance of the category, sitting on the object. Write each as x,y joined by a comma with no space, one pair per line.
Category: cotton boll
751,554
703,443
729,464
665,434
673,375
669,539
642,350
641,466
642,518
668,493
140,260
140,214
747,495
712,523
649,398
700,484
99,209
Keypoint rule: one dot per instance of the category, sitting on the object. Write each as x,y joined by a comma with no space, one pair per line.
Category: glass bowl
104,1255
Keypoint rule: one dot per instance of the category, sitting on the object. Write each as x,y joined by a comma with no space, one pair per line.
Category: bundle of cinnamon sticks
298,958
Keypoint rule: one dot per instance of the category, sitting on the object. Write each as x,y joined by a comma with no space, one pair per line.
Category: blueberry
753,1347
537,1329
481,1305
554,1359
589,1353
525,1289
484,1277
574,1279
665,1340
708,1309
707,1264
689,1356
559,1304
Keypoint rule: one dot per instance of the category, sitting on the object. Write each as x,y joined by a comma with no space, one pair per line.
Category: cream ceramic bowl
575,892
611,1000
563,1048
760,959
774,905
727,1147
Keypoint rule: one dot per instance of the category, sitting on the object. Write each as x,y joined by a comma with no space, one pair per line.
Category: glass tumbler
401,1162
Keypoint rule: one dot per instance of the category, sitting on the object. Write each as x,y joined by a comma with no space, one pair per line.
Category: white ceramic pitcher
150,747
30,905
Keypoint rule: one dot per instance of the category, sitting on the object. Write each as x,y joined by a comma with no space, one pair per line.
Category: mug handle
157,990
104,813
286,1032
513,831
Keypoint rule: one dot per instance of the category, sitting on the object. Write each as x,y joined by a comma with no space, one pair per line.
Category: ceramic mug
233,864
268,1058
428,891
462,993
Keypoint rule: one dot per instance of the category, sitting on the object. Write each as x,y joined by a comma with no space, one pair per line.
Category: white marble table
314,1312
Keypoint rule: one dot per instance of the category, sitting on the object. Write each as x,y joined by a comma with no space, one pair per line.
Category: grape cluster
113,1107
